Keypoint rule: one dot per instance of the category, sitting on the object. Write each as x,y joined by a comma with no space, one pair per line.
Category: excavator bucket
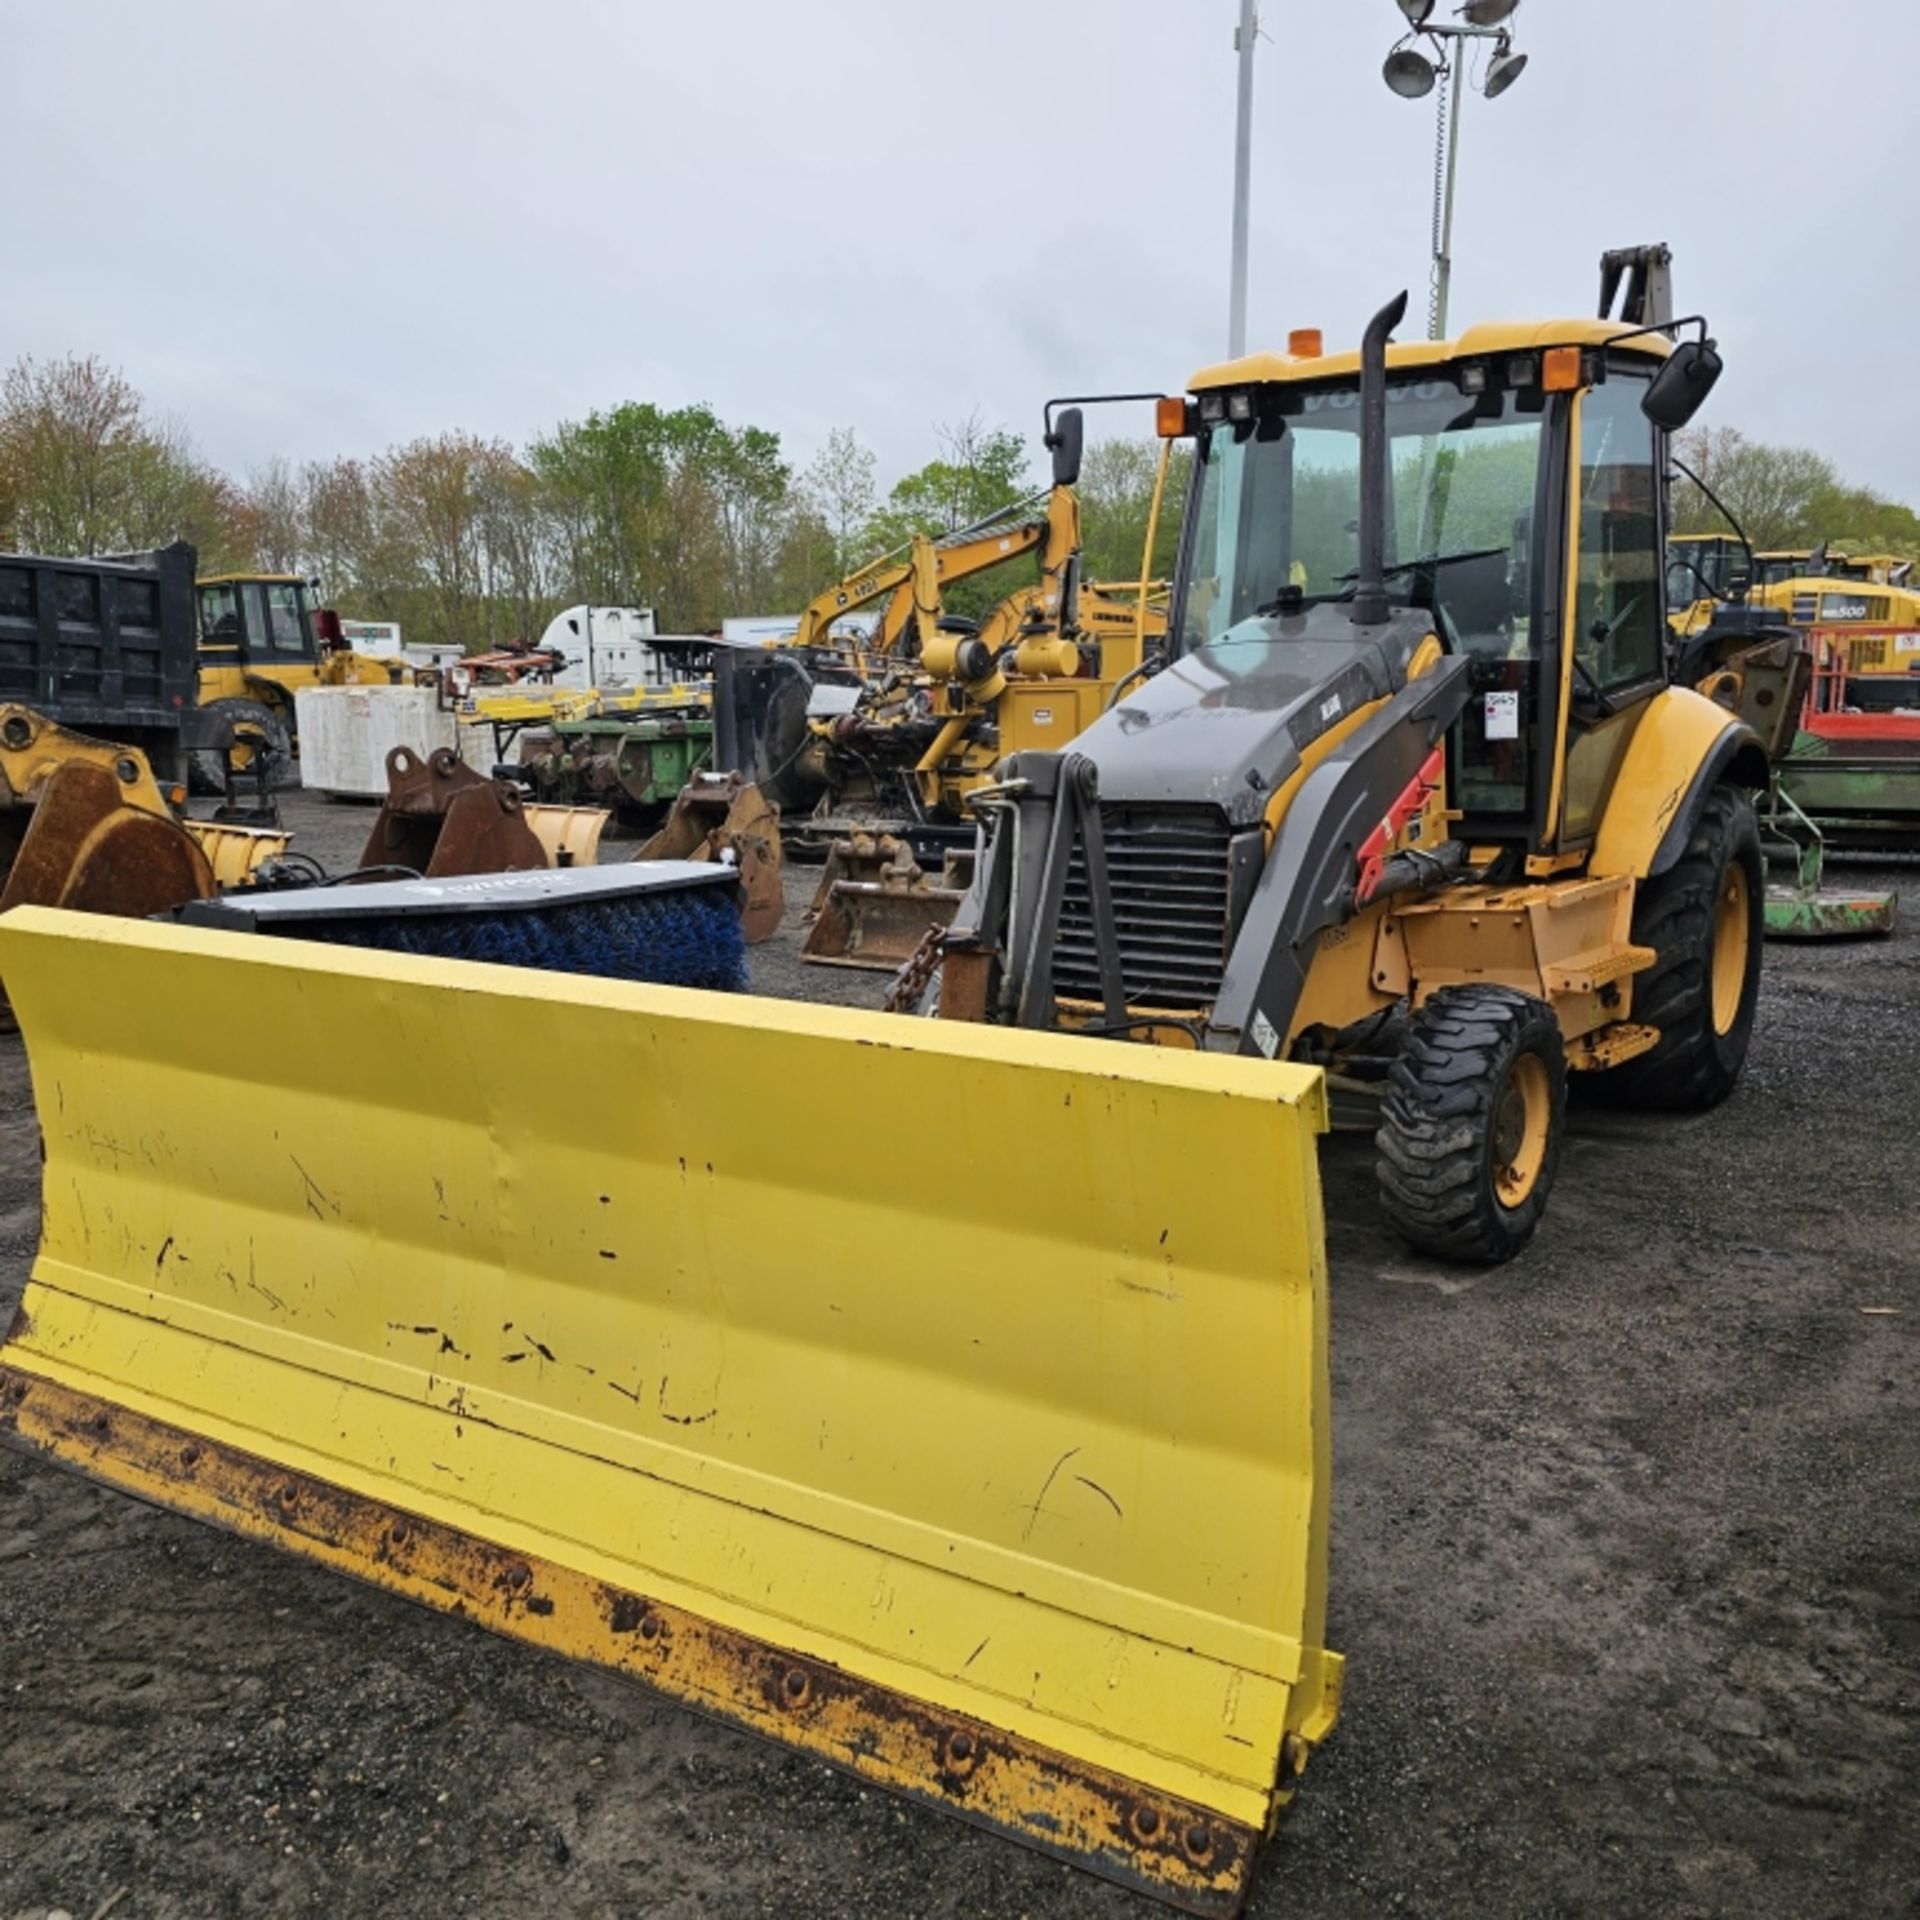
726,817
1030,1526
441,819
90,846
874,905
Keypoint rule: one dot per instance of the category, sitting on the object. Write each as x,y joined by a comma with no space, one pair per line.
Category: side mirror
1677,391
1064,444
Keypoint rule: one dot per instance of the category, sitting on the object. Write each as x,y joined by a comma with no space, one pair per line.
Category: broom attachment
674,923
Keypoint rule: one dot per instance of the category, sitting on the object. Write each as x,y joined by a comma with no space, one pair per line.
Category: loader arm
1308,883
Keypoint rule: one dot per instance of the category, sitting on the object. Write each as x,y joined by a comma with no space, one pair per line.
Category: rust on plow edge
1169,1849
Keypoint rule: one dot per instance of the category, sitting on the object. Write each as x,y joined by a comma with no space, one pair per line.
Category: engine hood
1227,723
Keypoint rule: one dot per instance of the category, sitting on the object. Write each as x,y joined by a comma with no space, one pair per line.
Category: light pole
1242,166
1412,75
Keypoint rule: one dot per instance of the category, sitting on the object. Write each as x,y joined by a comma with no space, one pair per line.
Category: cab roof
237,579
1523,336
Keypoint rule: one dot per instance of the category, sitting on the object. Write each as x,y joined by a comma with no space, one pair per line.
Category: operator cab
256,620
1524,511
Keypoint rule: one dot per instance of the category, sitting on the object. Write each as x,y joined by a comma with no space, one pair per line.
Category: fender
270,694
1684,746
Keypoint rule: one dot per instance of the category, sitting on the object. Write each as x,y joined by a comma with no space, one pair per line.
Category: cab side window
1618,638
220,614
286,631
254,614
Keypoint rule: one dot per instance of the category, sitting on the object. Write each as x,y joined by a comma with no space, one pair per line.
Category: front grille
1168,871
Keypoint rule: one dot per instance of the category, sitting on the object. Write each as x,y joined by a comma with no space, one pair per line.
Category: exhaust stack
1370,585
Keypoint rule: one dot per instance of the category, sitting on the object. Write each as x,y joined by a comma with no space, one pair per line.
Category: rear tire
1471,1125
207,770
1704,917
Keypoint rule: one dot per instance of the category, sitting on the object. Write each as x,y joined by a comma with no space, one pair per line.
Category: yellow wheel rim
1522,1120
1732,931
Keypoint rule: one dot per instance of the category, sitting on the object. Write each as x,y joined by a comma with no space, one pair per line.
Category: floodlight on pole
1411,75
1506,68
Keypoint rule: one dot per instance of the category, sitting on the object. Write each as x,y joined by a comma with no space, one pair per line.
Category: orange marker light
1560,369
1170,416
1306,343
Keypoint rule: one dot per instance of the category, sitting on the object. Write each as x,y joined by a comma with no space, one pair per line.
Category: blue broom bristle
680,938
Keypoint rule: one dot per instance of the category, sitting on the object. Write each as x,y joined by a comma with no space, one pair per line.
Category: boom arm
914,605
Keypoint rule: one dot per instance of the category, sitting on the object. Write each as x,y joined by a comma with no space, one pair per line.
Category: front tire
1705,918
207,768
1471,1125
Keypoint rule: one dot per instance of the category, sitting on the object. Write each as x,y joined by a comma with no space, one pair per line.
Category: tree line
472,541
1786,499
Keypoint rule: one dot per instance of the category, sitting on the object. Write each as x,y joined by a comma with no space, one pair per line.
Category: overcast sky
308,229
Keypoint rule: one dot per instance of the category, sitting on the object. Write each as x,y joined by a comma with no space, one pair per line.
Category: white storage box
346,734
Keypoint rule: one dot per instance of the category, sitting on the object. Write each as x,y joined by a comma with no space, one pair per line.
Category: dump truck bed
105,646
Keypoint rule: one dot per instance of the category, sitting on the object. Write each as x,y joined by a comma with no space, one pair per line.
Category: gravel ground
1625,1554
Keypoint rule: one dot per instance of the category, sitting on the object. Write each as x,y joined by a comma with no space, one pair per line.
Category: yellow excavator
923,729
929,727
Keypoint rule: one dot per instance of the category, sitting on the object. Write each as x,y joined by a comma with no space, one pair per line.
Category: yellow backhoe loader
1031,1526
1427,779
925,704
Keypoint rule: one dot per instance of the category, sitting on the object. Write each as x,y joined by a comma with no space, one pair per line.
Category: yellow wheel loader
261,641
1414,800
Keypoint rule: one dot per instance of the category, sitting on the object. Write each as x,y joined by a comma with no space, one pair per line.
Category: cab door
1615,645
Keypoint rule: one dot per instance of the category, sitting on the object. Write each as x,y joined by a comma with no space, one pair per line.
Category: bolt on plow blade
1025,1518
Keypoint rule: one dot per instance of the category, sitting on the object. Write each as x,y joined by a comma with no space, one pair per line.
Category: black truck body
106,646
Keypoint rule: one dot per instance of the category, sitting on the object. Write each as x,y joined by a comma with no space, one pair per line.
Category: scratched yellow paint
1033,1429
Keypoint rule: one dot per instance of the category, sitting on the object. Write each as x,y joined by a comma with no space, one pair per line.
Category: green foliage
836,500
1116,500
468,541
84,470
1479,486
1785,498
982,471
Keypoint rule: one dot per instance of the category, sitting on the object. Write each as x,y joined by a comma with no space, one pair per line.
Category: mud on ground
1626,1564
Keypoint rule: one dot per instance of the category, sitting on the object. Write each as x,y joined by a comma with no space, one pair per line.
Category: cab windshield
1279,503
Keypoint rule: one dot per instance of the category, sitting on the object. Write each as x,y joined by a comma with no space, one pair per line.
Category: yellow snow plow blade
1001,1481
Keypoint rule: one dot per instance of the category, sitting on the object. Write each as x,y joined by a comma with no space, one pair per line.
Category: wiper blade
1433,560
